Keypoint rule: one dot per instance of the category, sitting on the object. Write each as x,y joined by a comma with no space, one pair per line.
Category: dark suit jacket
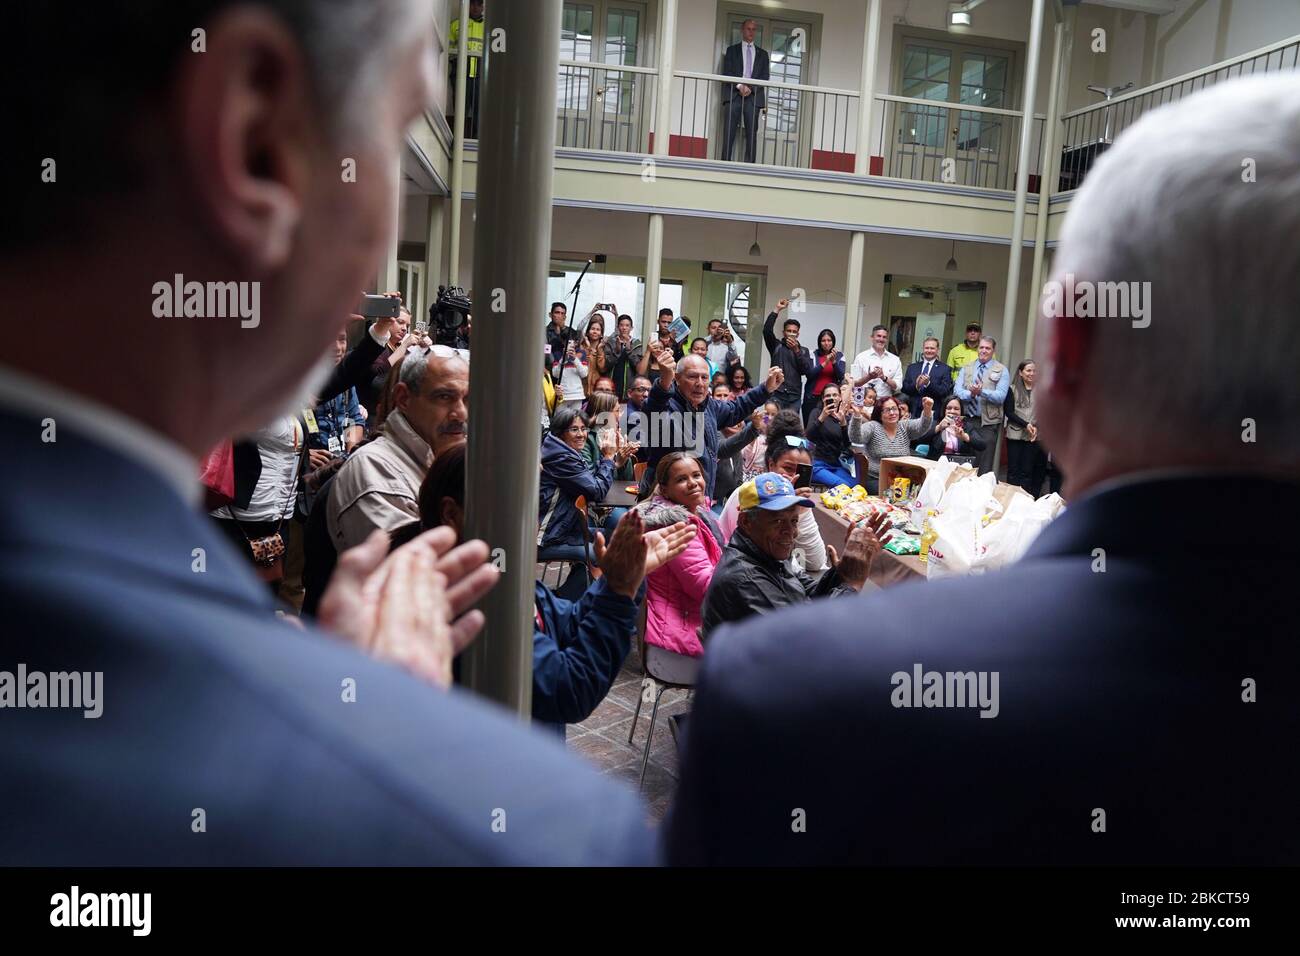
733,64
939,387
209,702
1119,690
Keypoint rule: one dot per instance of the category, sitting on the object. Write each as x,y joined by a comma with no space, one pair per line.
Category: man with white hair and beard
226,737
1140,691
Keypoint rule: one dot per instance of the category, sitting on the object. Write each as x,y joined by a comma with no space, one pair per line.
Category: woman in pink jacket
675,591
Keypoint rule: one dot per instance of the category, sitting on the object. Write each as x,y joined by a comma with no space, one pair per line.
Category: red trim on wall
691,147
834,161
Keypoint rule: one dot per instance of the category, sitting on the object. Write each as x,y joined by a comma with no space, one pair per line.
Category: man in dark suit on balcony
741,101
1113,709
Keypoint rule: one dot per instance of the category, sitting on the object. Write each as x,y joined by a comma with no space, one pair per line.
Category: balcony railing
604,106
1088,132
800,126
936,141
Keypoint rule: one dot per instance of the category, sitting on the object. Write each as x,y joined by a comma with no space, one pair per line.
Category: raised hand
775,376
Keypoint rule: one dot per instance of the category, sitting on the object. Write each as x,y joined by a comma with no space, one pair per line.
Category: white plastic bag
999,543
932,489
953,549
973,494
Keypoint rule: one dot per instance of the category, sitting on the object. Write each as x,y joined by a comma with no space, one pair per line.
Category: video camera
448,315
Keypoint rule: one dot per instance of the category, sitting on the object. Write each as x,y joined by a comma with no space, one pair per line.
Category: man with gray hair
1139,645
378,488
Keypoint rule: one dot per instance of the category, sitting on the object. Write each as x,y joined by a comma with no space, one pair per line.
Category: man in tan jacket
379,486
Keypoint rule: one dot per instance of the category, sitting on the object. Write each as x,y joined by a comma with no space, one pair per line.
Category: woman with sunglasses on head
786,450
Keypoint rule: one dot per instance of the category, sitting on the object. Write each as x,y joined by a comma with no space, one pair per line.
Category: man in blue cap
753,576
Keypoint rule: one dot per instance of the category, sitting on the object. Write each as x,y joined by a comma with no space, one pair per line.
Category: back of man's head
245,146
1200,199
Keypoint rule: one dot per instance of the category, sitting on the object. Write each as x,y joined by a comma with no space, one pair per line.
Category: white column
388,268
663,121
861,165
458,139
1049,168
433,274
1022,178
654,257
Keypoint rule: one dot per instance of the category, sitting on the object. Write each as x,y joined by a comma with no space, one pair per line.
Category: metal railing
604,106
954,144
1089,131
806,127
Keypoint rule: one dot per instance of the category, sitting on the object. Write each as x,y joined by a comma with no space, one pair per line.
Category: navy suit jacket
210,703
733,64
939,387
1119,691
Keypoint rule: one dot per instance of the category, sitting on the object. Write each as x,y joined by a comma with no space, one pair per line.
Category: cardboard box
916,469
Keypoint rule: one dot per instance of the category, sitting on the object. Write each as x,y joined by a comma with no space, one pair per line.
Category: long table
887,569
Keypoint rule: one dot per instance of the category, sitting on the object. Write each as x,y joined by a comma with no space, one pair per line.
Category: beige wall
815,260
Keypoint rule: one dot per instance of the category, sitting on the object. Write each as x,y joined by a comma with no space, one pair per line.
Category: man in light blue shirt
982,387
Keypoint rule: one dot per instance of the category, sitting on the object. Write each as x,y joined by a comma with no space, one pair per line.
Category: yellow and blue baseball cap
771,492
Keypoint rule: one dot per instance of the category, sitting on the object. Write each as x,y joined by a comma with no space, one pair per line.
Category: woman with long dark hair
828,362
1026,463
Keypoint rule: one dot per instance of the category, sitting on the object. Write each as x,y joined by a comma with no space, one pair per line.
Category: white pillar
1049,168
433,246
861,166
1022,178
458,140
388,268
653,267
663,120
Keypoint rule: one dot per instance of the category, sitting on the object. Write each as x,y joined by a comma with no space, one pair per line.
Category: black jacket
733,64
795,365
829,438
976,444
748,581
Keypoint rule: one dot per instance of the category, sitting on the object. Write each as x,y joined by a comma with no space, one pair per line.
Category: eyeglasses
794,441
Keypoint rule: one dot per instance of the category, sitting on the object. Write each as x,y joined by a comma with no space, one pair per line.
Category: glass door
736,298
786,112
977,144
602,108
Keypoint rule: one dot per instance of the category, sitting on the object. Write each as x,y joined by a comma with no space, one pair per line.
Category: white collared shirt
890,365
142,444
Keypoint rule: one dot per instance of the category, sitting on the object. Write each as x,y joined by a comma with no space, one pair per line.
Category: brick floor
602,738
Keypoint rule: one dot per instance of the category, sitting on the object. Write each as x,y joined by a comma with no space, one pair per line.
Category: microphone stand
576,291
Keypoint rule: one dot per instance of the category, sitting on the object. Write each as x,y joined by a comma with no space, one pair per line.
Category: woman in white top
574,375
279,446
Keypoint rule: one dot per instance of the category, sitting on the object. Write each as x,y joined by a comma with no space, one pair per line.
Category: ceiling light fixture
754,250
952,259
